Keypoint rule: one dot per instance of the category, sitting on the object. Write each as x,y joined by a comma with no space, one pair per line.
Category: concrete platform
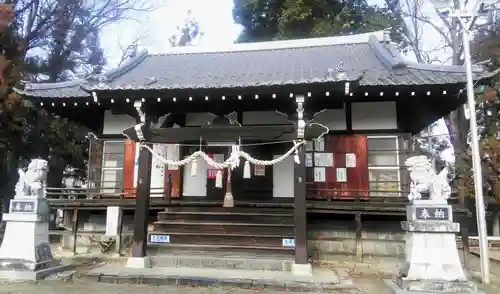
323,280
238,262
27,275
395,289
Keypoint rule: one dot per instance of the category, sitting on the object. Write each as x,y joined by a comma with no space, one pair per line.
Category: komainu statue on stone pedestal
425,179
32,182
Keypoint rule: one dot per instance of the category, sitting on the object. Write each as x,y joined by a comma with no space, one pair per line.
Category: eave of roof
389,69
76,88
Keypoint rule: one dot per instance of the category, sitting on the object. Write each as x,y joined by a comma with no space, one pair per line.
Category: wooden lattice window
112,166
384,165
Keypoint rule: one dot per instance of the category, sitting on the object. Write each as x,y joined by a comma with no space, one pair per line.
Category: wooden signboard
130,161
129,168
344,176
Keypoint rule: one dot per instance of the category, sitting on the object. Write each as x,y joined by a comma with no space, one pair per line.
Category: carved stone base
14,272
25,252
436,286
432,263
432,287
432,256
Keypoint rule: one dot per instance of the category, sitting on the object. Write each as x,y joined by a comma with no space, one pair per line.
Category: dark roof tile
71,89
362,58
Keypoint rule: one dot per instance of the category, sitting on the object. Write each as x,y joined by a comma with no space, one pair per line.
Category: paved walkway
369,286
367,276
494,254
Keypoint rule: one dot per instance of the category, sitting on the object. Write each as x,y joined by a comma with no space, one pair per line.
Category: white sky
215,18
216,21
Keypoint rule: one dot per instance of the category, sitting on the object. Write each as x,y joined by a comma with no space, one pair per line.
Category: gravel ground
84,287
368,279
475,271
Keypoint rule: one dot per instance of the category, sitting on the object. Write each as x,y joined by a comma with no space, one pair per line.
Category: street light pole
476,159
461,16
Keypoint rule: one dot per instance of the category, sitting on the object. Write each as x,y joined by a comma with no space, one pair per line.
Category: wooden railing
97,193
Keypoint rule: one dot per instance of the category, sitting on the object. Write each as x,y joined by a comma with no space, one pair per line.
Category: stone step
326,282
231,210
217,250
240,262
214,251
214,216
223,239
224,228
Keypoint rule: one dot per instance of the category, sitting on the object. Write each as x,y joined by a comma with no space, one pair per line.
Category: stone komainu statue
425,179
32,182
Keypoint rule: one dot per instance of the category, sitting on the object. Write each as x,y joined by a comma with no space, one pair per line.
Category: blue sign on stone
159,238
288,242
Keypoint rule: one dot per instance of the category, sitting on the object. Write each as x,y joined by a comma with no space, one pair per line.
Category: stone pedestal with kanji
25,252
432,263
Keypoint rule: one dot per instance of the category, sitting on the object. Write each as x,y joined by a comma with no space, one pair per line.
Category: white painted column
283,178
158,171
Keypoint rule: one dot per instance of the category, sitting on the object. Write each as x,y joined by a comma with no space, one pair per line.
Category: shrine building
327,124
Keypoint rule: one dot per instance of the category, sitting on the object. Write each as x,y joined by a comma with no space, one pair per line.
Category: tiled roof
71,89
363,58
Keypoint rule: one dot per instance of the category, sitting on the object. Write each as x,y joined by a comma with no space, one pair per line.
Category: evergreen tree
12,112
57,40
486,50
292,19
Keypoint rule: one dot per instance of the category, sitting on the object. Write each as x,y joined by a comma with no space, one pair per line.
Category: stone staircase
218,237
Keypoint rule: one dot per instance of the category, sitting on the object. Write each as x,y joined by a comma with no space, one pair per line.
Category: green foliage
485,48
49,41
71,45
265,20
59,140
12,112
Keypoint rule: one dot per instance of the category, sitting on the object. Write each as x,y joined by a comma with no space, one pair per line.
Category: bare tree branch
67,31
125,50
431,23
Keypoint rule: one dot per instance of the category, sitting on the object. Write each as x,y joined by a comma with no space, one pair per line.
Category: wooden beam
348,116
300,209
216,133
359,241
222,133
139,245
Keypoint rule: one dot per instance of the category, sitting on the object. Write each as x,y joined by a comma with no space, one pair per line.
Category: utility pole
461,22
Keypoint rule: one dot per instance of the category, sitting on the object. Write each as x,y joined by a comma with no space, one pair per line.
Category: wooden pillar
359,240
75,230
300,210
496,223
464,228
464,232
168,189
139,245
